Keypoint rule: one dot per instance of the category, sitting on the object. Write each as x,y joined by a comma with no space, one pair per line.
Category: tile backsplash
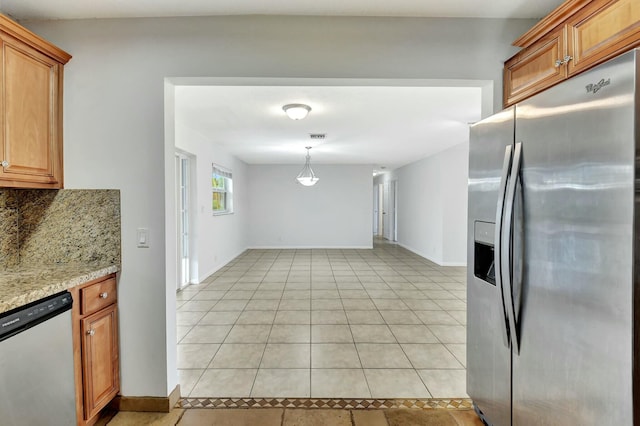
59,226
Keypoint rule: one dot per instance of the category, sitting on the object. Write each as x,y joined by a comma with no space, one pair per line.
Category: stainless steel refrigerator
554,227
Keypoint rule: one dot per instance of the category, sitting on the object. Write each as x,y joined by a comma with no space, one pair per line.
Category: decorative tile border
348,404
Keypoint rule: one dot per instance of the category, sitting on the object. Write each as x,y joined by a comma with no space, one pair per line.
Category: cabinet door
599,32
30,139
535,68
100,359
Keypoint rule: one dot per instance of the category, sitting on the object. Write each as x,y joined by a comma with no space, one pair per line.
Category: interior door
375,209
386,217
380,210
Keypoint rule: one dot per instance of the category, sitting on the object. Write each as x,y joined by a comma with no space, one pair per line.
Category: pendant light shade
306,177
297,111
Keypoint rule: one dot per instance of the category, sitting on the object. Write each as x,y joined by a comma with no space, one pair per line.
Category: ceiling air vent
317,136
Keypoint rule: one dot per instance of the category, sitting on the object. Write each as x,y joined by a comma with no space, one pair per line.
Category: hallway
381,323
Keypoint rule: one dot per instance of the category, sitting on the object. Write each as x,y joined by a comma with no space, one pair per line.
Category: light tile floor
380,323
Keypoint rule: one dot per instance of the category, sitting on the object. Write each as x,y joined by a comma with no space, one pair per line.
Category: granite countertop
25,284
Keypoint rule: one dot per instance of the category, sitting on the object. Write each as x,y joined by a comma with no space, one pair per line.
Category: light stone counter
22,285
52,240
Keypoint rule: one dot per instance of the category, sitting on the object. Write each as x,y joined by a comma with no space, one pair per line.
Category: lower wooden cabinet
99,359
96,351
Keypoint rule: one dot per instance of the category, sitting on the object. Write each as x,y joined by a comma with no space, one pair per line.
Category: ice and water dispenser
483,261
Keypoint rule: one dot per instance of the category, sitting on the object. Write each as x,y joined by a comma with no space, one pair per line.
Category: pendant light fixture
297,111
306,177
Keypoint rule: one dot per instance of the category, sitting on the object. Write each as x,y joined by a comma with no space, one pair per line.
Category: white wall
432,206
454,165
335,212
218,238
420,210
114,119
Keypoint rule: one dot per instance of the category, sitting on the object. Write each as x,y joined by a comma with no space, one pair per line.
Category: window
222,190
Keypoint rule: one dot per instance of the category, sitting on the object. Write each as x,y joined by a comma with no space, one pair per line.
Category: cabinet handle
563,61
103,295
5,163
91,332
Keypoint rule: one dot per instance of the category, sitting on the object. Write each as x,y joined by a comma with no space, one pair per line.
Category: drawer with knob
97,296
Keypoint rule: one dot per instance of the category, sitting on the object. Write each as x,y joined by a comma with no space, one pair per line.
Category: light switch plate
142,237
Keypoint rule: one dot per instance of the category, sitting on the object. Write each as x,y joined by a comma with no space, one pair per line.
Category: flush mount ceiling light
306,177
296,111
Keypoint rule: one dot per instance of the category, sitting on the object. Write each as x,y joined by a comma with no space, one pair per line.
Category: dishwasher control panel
27,316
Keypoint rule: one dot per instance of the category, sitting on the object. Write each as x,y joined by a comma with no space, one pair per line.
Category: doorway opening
299,317
376,210
385,210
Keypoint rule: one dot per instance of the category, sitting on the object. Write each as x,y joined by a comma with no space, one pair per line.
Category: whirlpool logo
595,87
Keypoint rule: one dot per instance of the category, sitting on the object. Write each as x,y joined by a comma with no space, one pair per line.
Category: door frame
185,198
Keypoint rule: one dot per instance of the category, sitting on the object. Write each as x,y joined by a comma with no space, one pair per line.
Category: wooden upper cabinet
598,32
31,77
576,36
535,68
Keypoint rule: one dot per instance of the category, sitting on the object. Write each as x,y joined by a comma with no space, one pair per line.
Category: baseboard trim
156,404
174,397
412,250
220,265
453,264
439,262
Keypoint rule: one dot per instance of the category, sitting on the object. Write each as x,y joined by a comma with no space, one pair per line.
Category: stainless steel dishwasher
36,364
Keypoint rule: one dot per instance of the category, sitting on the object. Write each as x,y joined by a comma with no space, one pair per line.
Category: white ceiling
76,9
383,126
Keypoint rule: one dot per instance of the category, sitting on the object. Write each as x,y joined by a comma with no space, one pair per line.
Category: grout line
198,380
355,346
425,385
282,417
310,329
267,340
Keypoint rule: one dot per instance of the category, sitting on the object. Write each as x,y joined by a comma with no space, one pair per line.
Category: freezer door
488,358
575,319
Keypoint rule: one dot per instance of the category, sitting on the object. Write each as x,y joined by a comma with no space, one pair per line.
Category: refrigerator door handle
506,252
506,168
